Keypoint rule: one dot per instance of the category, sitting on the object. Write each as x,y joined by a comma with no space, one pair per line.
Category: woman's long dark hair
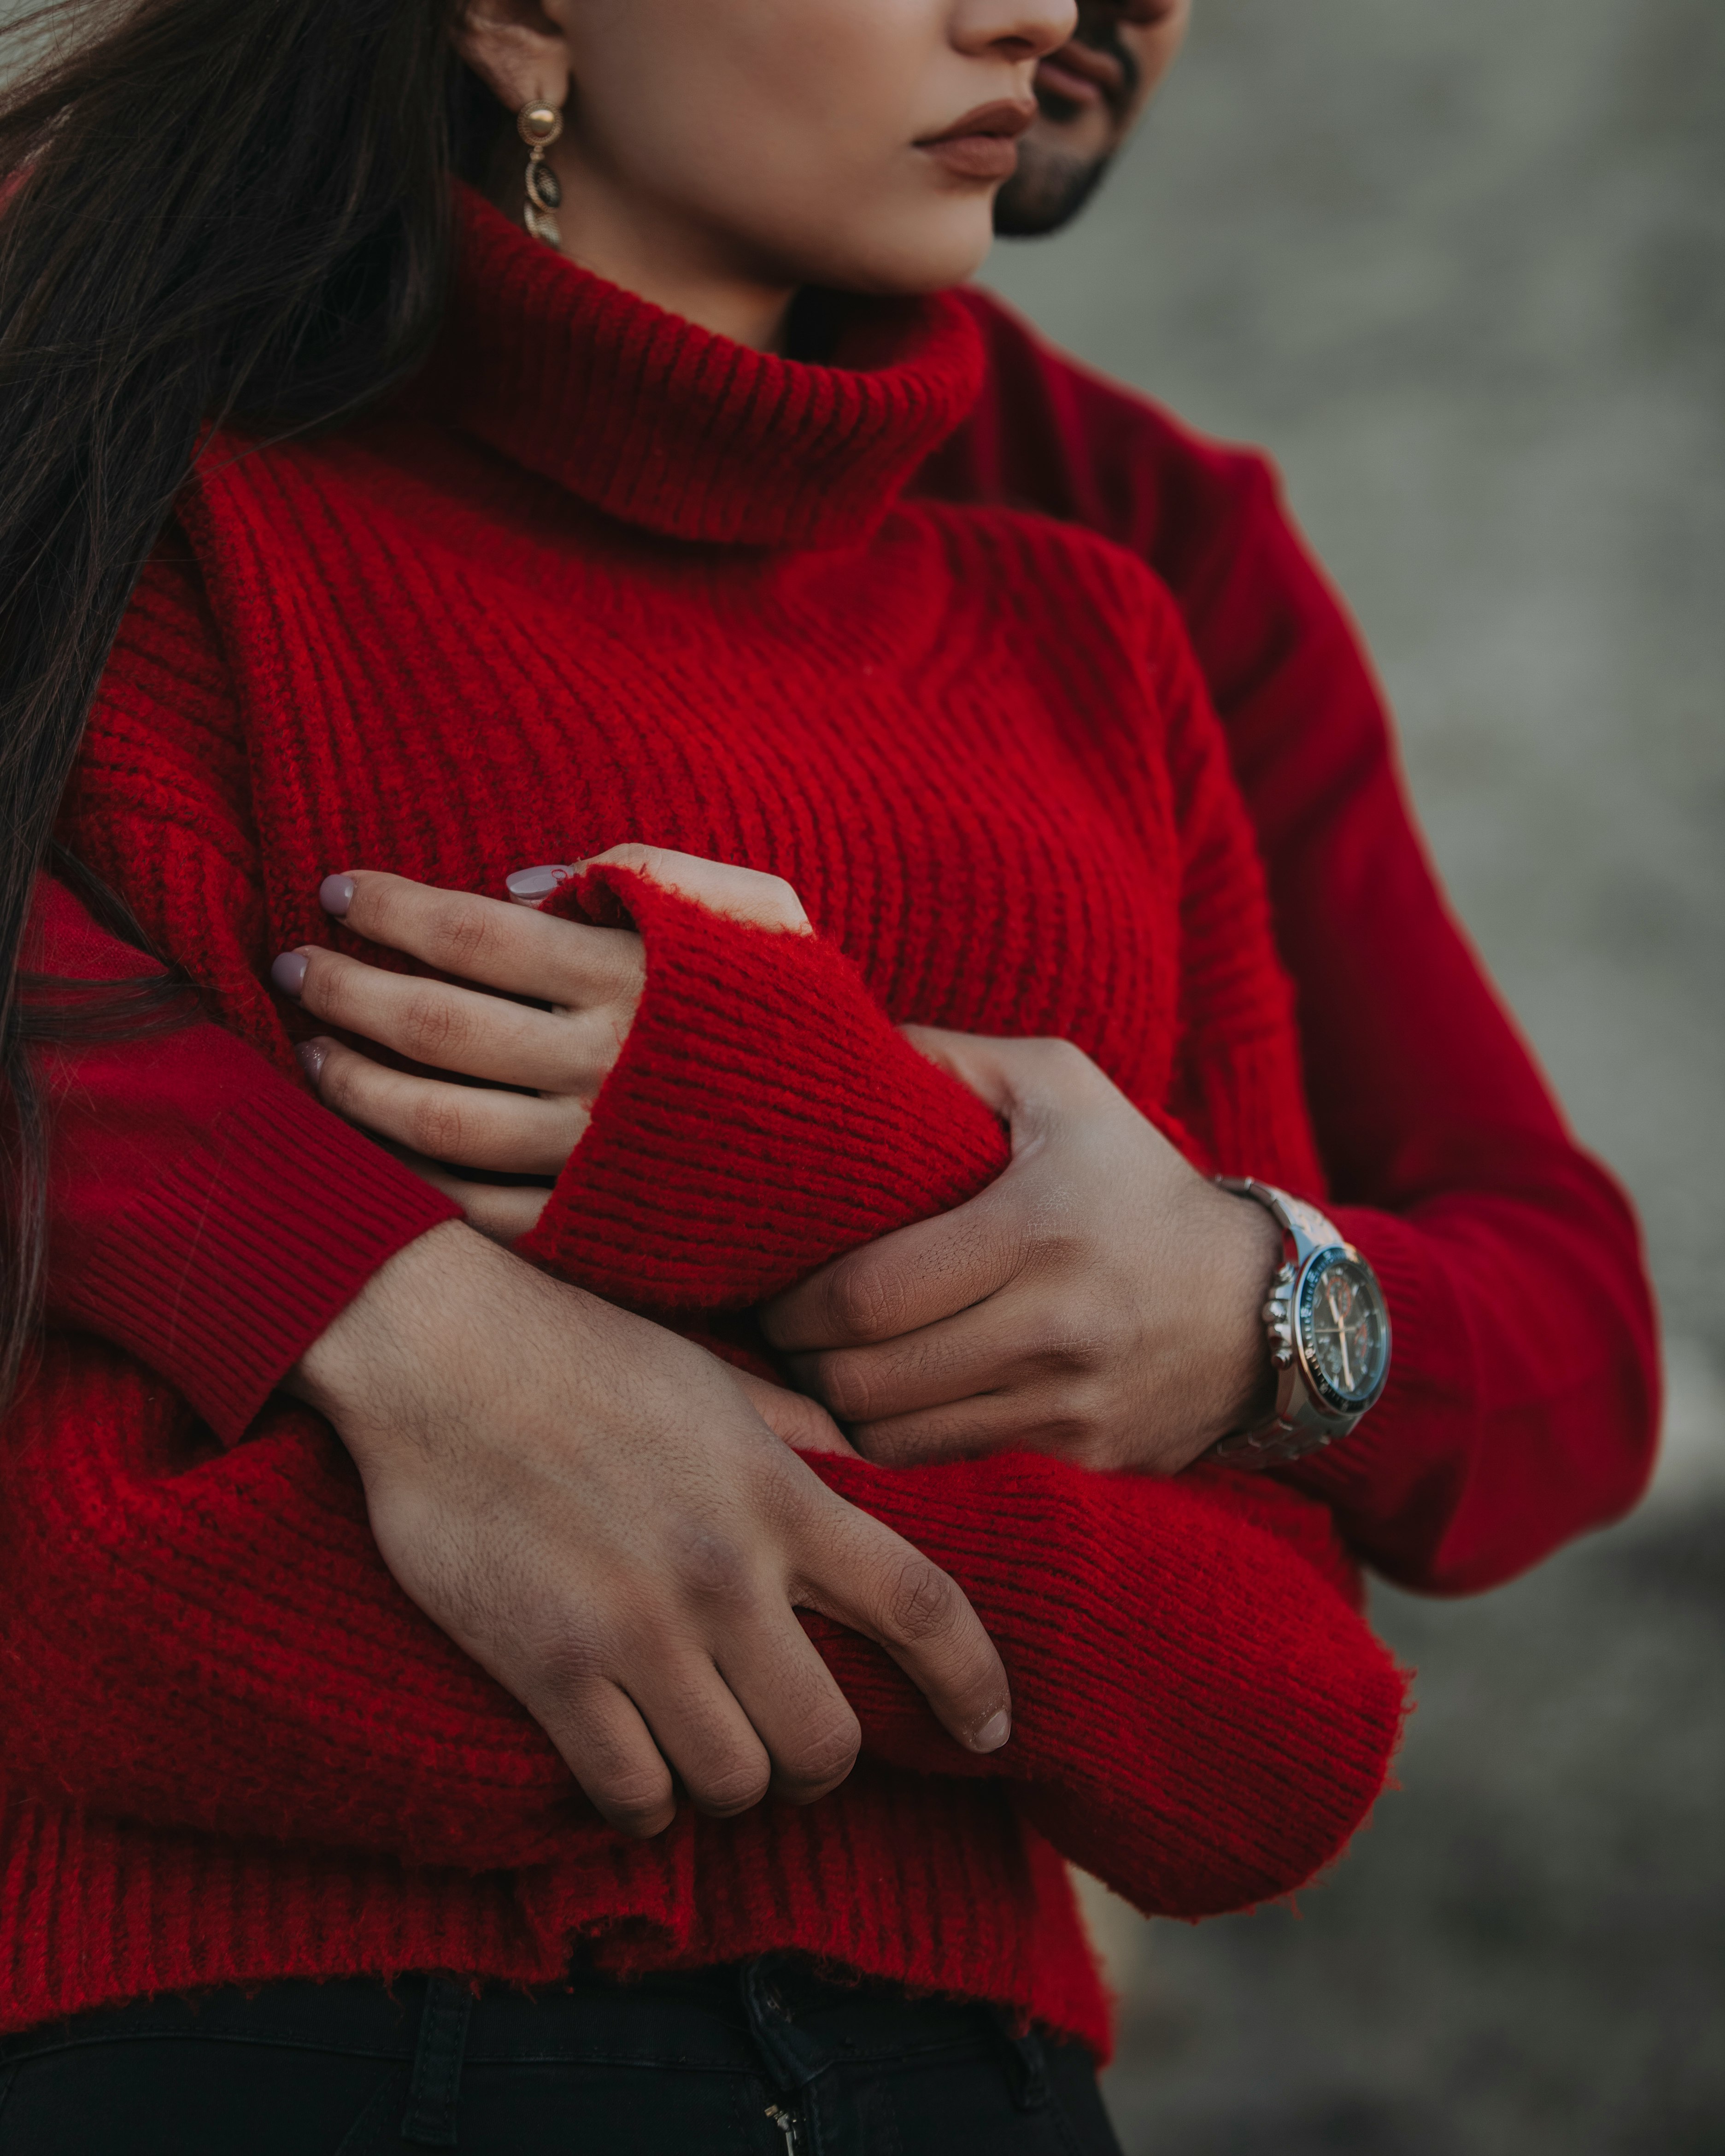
210,210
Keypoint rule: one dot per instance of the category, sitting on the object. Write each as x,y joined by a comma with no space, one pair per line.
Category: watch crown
1281,1356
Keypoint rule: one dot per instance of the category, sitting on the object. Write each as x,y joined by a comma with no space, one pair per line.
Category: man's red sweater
1523,1403
607,576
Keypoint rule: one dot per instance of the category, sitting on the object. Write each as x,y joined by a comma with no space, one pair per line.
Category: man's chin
1047,191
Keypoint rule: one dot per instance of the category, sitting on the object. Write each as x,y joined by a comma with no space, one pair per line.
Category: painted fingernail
313,1054
994,1732
536,883
335,895
289,972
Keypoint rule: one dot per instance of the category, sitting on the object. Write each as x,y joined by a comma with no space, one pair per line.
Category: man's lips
1081,75
983,145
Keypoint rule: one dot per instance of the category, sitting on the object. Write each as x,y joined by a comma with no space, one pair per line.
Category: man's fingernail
335,895
313,1054
536,883
289,972
994,1732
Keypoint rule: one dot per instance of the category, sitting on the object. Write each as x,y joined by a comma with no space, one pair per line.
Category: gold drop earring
539,127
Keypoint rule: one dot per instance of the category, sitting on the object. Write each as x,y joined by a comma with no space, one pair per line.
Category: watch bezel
1325,1397
1309,1411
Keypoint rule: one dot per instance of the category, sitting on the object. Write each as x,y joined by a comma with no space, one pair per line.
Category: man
1091,96
1523,1402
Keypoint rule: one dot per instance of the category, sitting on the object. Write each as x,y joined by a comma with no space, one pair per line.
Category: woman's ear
519,51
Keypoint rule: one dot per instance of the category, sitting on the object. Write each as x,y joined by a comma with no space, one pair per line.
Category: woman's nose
1014,29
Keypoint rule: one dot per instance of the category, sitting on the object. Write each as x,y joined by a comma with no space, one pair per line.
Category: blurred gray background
1461,265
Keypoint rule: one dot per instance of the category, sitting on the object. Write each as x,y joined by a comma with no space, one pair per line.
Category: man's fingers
810,1734
701,1729
911,1278
793,1417
609,1750
992,1346
768,1716
1009,1076
467,1125
969,1058
513,949
873,1580
1046,1418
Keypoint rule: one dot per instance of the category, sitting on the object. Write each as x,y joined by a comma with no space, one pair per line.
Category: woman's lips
985,144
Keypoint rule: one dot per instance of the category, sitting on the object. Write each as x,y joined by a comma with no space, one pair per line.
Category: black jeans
768,2058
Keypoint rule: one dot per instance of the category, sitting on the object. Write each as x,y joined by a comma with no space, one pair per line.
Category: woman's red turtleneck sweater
1523,1403
607,576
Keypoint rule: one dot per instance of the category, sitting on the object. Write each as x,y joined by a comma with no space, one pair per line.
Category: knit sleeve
204,1212
764,1115
1201,1717
1454,1172
1238,1087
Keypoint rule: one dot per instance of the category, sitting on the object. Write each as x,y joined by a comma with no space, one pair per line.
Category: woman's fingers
502,1212
411,1115
465,1126
451,1029
514,948
749,895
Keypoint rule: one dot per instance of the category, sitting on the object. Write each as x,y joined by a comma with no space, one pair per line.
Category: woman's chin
934,253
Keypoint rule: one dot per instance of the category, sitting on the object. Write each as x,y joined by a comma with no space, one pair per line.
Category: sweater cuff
764,1115
1238,1717
221,1272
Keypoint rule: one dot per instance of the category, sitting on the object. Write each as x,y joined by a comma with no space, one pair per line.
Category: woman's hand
591,979
592,1510
1101,1300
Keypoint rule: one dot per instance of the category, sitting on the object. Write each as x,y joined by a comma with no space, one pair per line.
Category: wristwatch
1329,1335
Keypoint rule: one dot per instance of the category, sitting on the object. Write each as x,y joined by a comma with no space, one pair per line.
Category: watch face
1345,1331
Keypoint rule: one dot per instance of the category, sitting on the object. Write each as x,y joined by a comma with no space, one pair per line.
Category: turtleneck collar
668,426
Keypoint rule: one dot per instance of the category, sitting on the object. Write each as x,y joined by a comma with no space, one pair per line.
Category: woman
618,556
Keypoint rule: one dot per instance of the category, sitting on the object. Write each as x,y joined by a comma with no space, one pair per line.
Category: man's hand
591,1507
1101,1300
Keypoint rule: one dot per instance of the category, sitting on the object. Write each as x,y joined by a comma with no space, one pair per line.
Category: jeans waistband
777,2016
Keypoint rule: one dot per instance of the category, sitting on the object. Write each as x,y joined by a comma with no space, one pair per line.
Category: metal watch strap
1290,1432
1307,1225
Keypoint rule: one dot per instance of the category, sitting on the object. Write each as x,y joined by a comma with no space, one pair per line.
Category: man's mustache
1099,30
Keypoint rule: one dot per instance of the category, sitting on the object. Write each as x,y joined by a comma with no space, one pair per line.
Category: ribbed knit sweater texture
606,576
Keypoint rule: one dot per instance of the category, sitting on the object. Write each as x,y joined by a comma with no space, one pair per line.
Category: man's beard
1047,192
1050,187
